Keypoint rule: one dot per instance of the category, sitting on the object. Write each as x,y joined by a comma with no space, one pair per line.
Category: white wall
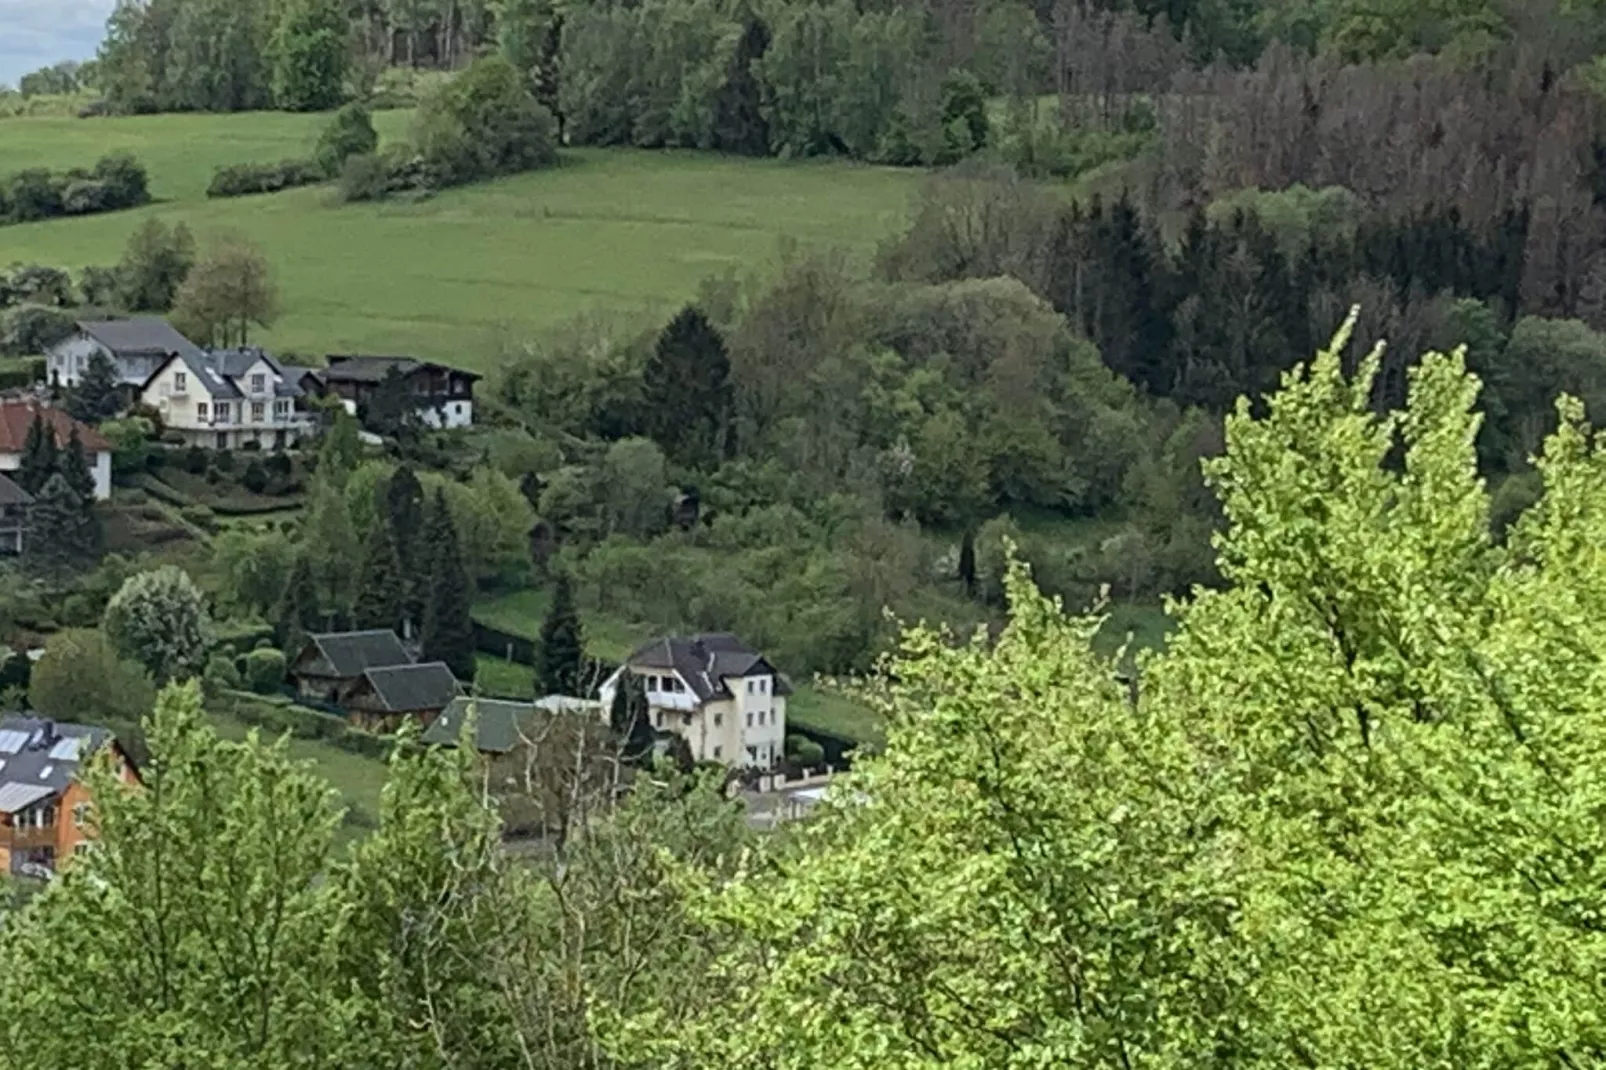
456,413
67,359
178,409
100,466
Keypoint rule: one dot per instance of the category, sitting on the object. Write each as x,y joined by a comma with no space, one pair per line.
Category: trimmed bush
220,674
201,516
264,670
804,751
195,460
17,375
244,179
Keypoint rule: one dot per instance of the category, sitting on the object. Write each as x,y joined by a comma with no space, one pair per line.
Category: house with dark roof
16,419
499,725
14,503
383,698
227,398
725,699
440,396
136,346
330,665
45,813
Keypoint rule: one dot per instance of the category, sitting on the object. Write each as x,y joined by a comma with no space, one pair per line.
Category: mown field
456,276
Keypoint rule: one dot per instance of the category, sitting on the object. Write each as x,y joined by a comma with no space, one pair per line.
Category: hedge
18,375
243,179
118,180
278,714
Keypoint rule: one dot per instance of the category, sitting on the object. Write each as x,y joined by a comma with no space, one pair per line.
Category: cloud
36,33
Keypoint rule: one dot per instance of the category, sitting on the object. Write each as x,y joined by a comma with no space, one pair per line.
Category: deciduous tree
225,294
159,619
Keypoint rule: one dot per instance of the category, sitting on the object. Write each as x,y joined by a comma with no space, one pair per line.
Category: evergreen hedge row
281,715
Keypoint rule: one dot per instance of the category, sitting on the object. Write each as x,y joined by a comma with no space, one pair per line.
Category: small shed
381,698
332,664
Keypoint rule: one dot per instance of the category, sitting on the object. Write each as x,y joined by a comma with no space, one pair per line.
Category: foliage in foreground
1348,822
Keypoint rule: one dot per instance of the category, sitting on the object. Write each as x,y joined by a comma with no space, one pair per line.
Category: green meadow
457,276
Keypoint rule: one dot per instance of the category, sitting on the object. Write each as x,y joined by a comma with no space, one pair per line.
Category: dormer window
259,383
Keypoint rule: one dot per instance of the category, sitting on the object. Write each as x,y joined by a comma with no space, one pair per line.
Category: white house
16,418
714,691
137,346
227,398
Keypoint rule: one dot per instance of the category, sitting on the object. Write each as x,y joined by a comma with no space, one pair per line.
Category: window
764,686
685,719
716,751
749,687
223,411
719,719
256,412
750,718
200,410
81,849
281,408
180,382
652,683
660,718
259,382
80,815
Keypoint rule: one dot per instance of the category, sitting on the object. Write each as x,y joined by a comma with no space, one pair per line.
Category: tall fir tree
38,461
96,396
73,464
688,392
381,588
739,123
560,663
628,719
298,607
58,536
404,508
448,627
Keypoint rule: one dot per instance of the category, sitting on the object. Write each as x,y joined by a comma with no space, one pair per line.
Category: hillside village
801,534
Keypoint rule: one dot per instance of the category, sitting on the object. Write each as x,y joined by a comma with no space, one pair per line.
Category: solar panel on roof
12,741
67,750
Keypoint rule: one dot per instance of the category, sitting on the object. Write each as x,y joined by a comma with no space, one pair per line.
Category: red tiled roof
17,416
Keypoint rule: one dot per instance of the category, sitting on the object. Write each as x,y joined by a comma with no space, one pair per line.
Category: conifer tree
95,398
688,392
38,462
381,588
73,464
298,607
58,535
560,663
448,628
628,719
404,508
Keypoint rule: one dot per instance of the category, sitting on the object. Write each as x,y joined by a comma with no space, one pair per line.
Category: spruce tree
967,561
448,628
560,663
58,534
96,396
73,464
739,123
38,461
298,607
380,585
404,508
628,719
688,392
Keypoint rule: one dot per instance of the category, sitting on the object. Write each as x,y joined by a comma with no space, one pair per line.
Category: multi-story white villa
721,696
227,398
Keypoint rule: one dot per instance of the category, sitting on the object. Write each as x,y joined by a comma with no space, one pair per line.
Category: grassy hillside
451,276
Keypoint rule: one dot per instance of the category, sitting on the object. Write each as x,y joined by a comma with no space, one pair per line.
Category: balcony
680,701
27,838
